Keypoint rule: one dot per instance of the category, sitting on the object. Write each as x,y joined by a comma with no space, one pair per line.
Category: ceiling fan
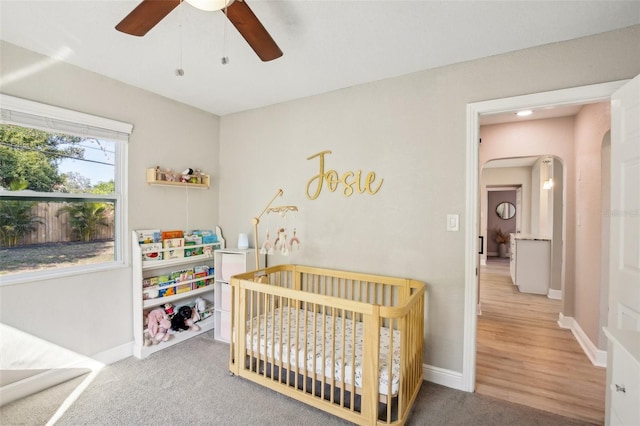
148,13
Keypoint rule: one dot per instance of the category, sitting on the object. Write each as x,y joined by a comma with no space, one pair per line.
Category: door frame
572,96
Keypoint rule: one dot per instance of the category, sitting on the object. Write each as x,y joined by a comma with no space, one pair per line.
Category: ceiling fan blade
145,16
248,25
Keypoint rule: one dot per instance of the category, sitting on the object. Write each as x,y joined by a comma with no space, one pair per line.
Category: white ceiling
327,45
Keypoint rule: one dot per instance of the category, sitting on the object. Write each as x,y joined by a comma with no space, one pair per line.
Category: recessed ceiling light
524,113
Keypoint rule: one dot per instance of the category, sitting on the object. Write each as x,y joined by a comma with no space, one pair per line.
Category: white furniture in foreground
623,377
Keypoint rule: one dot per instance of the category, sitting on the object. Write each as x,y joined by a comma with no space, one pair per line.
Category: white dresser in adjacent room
531,263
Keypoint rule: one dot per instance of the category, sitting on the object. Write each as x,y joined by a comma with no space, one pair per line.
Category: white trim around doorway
572,96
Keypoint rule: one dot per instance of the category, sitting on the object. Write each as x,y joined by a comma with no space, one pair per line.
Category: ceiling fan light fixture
150,12
210,5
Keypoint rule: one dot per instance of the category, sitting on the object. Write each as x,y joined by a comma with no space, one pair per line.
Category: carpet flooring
189,384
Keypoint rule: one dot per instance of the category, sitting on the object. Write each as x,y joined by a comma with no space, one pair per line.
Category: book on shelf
202,272
151,251
168,235
183,275
177,248
192,240
208,236
167,291
146,236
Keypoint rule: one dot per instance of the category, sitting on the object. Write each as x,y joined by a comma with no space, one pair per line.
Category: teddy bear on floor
158,326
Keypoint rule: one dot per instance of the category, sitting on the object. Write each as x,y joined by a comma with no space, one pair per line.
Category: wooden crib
344,342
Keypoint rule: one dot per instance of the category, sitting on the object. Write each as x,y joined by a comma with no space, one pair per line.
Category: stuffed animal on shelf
158,325
184,319
146,338
203,311
186,175
170,175
200,305
168,309
195,316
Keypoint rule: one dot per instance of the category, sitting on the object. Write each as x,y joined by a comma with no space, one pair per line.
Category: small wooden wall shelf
151,180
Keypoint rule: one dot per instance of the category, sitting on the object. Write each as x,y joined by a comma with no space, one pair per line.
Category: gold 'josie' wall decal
349,181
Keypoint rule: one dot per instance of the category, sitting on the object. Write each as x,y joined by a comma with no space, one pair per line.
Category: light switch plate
453,222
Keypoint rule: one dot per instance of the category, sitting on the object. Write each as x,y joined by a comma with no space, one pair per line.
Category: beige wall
557,249
591,125
410,130
90,313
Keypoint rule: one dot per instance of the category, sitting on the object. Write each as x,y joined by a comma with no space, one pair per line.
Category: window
62,206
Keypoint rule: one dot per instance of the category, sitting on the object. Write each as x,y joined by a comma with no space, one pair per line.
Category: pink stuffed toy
158,325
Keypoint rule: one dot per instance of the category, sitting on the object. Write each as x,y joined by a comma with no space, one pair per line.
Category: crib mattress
326,356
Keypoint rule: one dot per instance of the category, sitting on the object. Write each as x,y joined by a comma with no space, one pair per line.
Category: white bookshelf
144,269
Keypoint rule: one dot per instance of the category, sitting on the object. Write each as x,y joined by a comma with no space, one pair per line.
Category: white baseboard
36,383
598,357
554,294
114,354
565,322
440,376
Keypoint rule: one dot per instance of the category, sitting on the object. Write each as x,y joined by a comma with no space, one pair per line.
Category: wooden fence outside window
55,228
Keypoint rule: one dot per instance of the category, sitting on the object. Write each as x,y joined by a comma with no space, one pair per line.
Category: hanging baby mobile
285,238
282,244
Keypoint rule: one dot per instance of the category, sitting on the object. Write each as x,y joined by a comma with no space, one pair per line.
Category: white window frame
26,113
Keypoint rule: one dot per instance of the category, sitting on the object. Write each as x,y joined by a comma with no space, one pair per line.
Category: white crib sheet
274,343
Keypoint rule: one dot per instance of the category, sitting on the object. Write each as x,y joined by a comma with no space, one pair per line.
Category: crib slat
262,345
298,348
343,354
323,347
335,338
390,368
353,359
314,345
281,348
288,346
370,363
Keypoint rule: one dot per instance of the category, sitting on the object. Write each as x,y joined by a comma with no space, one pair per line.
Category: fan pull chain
225,59
179,70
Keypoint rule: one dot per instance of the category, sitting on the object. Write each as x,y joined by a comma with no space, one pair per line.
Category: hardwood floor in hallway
523,356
